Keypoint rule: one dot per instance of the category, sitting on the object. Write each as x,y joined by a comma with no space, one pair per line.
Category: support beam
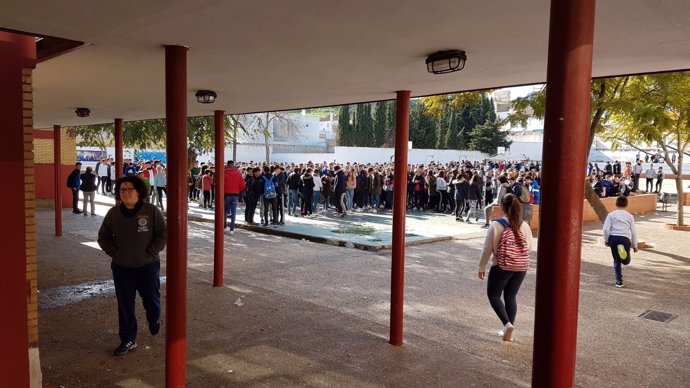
218,242
18,53
119,162
57,166
402,131
568,80
176,301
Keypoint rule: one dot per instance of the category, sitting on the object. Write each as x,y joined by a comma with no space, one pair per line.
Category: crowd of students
614,180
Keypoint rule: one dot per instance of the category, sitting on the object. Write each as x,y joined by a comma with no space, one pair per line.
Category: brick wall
30,206
44,174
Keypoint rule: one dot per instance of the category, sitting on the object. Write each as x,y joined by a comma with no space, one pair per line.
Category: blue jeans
230,209
293,200
350,198
617,261
375,200
315,201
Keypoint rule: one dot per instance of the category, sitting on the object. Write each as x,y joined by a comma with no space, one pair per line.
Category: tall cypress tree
380,123
345,135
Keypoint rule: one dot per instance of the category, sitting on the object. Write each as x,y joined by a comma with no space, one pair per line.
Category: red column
402,131
57,164
219,120
566,123
119,163
176,303
17,52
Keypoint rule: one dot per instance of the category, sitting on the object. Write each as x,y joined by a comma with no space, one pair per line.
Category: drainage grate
658,316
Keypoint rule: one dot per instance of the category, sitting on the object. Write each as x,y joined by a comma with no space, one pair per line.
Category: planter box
641,203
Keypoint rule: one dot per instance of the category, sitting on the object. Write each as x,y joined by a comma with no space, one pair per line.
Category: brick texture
30,207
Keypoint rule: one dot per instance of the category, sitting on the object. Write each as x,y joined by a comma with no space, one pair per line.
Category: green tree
487,137
422,126
345,128
657,109
606,99
380,118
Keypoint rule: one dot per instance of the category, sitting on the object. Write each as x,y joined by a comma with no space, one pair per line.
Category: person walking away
281,191
649,176
326,190
507,244
307,192
104,174
161,183
133,234
475,198
233,186
350,188
503,189
442,189
339,185
316,195
619,234
293,193
659,179
269,198
88,189
255,189
206,183
73,182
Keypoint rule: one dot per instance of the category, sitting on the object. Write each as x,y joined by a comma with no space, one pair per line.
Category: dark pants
145,280
230,209
207,199
636,182
250,209
161,190
507,283
650,185
306,203
658,185
281,206
75,200
105,185
339,201
613,243
272,204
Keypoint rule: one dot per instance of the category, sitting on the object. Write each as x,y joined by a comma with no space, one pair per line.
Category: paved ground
319,317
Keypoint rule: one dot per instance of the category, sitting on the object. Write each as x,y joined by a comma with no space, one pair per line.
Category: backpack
269,188
524,193
512,255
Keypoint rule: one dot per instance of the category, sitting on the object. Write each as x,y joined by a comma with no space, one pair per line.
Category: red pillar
402,131
568,80
176,303
119,163
57,164
17,52
219,119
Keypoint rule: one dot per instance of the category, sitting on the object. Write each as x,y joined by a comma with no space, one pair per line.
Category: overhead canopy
275,55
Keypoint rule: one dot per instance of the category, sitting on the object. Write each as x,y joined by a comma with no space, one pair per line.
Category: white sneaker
232,232
507,332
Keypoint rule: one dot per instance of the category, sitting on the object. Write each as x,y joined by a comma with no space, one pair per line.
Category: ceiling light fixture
442,62
83,112
206,96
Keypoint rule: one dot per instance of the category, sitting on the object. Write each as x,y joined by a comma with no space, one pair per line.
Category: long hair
513,210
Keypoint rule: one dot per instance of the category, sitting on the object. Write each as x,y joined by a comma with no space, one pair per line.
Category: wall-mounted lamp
206,96
83,112
442,62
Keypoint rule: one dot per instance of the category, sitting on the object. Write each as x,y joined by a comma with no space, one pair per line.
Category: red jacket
234,183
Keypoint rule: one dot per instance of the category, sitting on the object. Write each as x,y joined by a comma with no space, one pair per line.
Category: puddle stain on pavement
66,295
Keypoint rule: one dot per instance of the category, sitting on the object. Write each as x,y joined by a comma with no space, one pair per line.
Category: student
619,233
507,243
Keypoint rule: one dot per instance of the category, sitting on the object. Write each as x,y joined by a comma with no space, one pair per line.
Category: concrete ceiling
278,54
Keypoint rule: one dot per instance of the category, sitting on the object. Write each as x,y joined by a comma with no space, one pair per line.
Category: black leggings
507,283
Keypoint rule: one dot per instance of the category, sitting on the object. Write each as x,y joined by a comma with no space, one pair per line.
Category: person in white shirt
619,234
316,196
649,174
104,174
637,171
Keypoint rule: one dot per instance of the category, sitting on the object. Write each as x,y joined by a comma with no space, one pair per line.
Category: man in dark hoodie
73,182
339,186
255,190
133,233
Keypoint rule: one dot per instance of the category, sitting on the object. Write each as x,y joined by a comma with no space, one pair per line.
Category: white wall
380,155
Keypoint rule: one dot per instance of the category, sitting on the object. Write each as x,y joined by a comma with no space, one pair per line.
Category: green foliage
487,137
345,135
